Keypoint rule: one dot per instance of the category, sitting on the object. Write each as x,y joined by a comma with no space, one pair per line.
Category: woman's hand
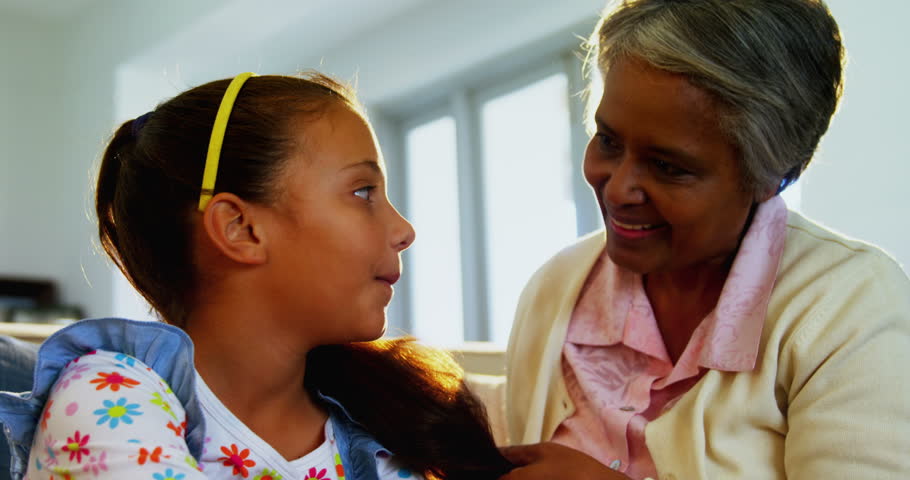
548,461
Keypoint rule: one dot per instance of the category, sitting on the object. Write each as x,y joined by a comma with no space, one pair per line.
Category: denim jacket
169,352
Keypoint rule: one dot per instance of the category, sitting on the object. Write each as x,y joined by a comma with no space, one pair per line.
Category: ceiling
44,9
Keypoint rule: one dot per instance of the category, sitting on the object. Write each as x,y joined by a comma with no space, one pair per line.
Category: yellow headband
214,153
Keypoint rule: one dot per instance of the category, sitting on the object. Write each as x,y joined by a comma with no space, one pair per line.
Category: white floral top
110,416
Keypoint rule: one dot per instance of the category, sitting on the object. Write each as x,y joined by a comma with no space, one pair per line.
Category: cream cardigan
829,397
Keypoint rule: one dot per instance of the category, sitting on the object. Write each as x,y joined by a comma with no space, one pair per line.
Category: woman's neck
681,299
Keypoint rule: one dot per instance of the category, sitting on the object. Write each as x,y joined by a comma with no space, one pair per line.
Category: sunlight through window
530,210
435,258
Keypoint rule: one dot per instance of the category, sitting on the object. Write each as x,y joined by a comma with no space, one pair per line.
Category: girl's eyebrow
371,164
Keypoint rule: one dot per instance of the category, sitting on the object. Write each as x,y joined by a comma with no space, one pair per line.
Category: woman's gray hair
774,66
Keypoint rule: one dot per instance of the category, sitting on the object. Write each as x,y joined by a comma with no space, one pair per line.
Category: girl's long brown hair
413,399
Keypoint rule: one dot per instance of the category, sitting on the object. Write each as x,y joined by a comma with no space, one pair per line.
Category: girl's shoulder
110,412
166,350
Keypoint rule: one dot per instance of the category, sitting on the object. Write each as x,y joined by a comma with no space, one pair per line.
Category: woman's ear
233,227
763,195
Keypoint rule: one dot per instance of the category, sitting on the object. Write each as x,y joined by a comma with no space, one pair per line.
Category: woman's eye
607,143
668,168
365,193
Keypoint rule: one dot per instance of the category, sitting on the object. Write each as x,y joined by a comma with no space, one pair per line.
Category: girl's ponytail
413,399
106,190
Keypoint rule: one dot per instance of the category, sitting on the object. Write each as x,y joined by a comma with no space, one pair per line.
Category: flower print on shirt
113,380
267,474
165,386
75,446
96,465
168,475
122,357
179,447
237,460
339,468
192,462
47,414
153,456
158,400
49,447
71,373
117,412
314,475
178,429
61,474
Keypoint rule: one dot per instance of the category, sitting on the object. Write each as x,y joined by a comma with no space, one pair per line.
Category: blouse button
615,464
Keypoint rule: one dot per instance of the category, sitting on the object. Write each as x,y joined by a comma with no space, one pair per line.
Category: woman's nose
623,185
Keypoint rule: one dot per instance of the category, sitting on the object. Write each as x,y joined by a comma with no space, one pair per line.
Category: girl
252,215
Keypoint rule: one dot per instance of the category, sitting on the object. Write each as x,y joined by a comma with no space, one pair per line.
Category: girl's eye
668,169
365,193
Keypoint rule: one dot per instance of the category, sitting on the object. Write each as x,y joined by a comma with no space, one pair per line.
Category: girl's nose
403,235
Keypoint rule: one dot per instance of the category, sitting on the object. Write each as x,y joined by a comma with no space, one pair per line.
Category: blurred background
475,104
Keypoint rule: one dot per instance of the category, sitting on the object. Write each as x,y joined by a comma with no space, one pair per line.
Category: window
527,187
493,188
434,261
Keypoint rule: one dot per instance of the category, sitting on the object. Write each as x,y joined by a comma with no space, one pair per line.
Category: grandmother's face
666,177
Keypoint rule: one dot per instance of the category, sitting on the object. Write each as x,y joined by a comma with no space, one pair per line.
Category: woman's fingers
521,455
549,461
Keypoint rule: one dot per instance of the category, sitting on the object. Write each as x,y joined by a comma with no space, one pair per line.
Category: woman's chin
634,261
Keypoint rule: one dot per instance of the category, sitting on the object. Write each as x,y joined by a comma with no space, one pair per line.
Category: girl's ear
233,227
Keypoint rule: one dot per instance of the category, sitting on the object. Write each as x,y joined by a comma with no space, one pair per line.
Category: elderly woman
709,333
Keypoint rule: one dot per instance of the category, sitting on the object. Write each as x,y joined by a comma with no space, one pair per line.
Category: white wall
118,59
31,94
859,182
93,46
67,84
57,111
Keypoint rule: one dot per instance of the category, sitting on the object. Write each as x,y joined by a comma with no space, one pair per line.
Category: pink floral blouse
615,363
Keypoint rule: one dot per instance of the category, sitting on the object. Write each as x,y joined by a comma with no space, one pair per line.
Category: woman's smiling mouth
635,230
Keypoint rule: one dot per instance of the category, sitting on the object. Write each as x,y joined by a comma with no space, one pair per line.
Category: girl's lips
390,278
635,231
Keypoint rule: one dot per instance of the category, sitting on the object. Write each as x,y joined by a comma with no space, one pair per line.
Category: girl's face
666,176
337,239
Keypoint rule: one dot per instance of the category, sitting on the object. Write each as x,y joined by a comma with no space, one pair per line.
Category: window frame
463,99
